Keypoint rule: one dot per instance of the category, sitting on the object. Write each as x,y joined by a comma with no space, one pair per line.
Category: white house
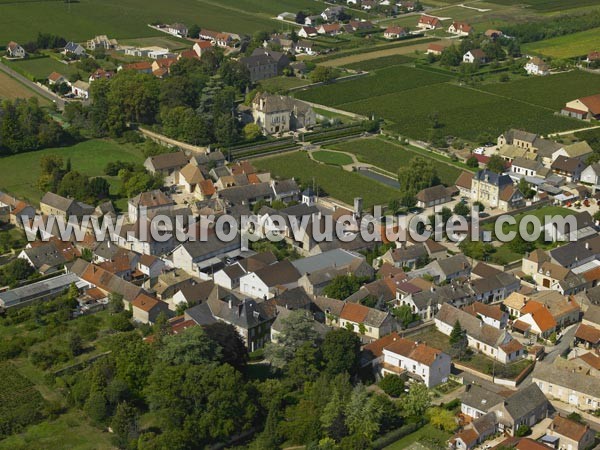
475,55
418,360
14,50
307,31
151,266
536,66
269,281
81,89
74,48
460,29
490,314
591,175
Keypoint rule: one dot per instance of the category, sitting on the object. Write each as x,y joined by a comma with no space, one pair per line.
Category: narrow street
58,101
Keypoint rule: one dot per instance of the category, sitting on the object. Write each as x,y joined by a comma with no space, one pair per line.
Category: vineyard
20,403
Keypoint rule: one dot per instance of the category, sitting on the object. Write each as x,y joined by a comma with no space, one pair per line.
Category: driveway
564,343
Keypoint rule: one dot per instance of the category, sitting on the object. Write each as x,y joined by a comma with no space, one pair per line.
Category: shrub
392,385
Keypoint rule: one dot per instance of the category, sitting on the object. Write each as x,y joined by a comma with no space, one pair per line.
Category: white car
479,151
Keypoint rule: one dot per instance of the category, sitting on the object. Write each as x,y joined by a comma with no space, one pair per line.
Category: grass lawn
41,67
11,89
11,237
332,158
22,171
334,181
70,430
539,213
282,83
166,41
568,46
21,21
380,63
422,435
390,156
548,5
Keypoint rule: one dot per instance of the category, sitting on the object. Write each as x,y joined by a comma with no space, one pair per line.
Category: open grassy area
166,41
391,157
21,172
568,46
71,430
21,21
41,67
422,436
282,83
11,89
380,63
332,158
548,5
334,181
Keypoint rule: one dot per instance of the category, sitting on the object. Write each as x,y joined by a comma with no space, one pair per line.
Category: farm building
583,108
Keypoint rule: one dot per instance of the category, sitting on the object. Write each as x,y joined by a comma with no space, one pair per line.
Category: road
565,342
60,103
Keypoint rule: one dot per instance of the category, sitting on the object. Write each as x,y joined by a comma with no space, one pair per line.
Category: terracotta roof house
428,23
460,29
416,359
588,335
539,319
473,56
537,66
490,314
570,434
463,183
367,321
394,32
146,309
435,49
583,108
56,78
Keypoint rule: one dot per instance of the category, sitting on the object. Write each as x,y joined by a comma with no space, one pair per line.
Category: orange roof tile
569,428
588,333
542,317
376,347
354,312
145,302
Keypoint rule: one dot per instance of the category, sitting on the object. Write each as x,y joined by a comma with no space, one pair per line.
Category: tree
297,329
323,74
191,347
361,416
404,314
341,349
300,17
233,349
252,132
525,188
419,174
96,407
343,286
461,209
417,400
392,385
75,344
442,419
458,341
125,425
496,164
115,302
473,162
523,430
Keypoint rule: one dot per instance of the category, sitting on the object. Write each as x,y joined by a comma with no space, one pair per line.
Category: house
194,256
101,74
332,13
280,58
588,335
56,78
527,406
15,211
495,190
432,196
150,203
73,48
584,108
279,113
56,205
463,183
81,89
493,34
329,29
417,360
570,435
460,29
394,32
261,67
269,281
448,269
369,322
495,343
166,164
229,277
150,266
576,227
358,25
535,318
201,47
178,29
526,167
409,256
568,386
536,66
435,49
46,258
569,168
39,291
304,47
564,309
428,23
580,150
146,309
475,432
478,401
101,42
14,50
139,67
307,31
474,56
491,315
190,178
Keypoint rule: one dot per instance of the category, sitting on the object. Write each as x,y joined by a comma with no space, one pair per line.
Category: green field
421,436
568,46
40,68
282,83
407,97
391,157
332,158
21,172
379,63
535,90
548,5
382,82
334,181
79,21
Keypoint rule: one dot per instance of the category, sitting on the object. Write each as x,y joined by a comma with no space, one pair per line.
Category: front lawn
332,158
428,436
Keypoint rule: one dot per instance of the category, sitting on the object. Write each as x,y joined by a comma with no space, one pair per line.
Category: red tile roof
569,428
542,317
376,347
145,302
588,333
416,351
354,312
